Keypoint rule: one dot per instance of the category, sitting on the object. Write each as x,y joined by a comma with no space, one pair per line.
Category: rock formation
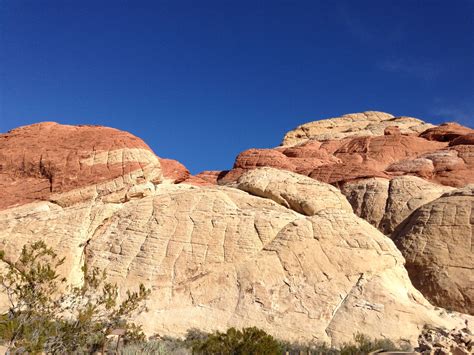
278,247
436,241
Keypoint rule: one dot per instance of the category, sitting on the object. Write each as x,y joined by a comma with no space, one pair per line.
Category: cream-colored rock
217,257
368,198
406,194
369,123
295,191
436,241
386,203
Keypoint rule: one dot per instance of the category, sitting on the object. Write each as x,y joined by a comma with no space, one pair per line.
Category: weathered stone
173,170
446,132
370,123
295,191
43,159
218,257
436,241
386,203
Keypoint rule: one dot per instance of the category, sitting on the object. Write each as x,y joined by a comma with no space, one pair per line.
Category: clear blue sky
201,81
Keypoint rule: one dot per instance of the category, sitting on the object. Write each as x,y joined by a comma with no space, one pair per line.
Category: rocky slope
278,247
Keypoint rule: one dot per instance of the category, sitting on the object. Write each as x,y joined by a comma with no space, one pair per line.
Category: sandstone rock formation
274,249
370,123
386,203
446,132
298,192
217,257
173,170
44,159
436,241
367,145
435,340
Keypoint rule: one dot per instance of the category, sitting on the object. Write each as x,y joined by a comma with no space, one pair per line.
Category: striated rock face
44,159
368,145
278,247
298,192
386,203
217,257
436,241
370,123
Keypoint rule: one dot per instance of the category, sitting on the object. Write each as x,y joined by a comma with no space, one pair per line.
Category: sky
201,81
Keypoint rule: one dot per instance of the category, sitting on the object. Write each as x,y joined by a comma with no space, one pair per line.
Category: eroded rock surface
275,249
295,191
436,241
217,257
368,145
386,203
370,123
44,159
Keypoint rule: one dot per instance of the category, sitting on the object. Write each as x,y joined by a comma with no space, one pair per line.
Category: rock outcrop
298,192
436,241
368,145
278,248
174,171
370,123
40,161
386,203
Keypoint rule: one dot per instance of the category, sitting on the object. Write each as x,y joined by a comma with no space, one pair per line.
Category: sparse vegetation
45,314
238,342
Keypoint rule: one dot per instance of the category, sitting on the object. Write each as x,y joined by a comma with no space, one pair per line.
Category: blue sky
201,81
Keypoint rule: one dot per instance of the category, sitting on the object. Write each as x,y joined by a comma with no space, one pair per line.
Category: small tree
40,317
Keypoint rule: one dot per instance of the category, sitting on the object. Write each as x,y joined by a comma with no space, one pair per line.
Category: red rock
174,170
340,173
253,158
210,176
467,139
46,158
446,132
392,131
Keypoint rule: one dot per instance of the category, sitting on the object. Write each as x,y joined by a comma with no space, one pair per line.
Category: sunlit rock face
45,160
436,241
278,248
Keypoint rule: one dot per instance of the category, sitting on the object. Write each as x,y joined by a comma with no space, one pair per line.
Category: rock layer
40,160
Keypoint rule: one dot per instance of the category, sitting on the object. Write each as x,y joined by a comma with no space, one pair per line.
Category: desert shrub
364,345
78,320
238,342
312,348
152,347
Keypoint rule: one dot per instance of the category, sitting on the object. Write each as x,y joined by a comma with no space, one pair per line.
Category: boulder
386,203
446,132
436,241
295,191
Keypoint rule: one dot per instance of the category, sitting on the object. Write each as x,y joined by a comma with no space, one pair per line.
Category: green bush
77,320
238,342
364,345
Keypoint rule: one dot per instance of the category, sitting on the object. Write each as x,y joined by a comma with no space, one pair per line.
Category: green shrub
364,345
78,320
238,342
